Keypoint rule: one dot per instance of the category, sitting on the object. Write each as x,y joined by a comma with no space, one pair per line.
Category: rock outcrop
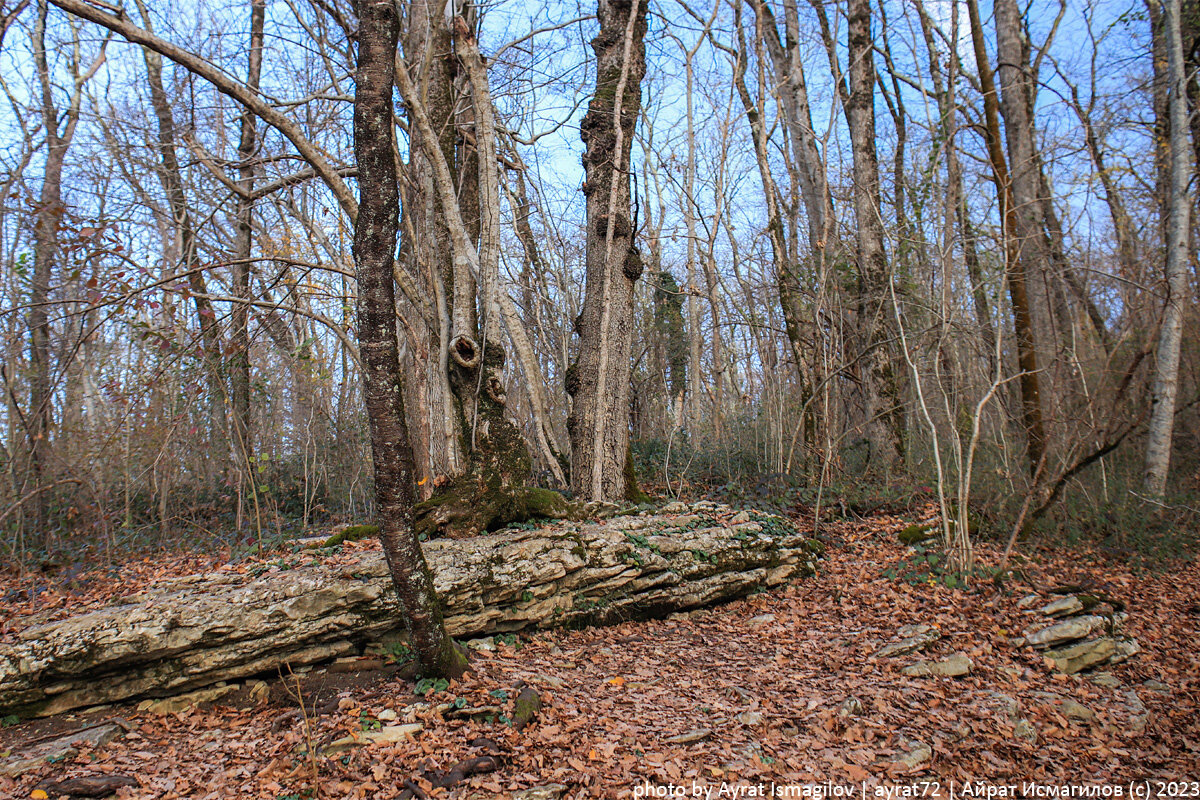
198,631
1085,635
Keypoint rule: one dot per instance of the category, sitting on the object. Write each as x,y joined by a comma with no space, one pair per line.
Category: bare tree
598,381
375,233
59,126
1166,373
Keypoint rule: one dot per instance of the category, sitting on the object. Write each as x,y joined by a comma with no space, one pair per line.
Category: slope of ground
781,688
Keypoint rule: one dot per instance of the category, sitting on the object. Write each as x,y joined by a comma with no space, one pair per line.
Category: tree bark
599,380
883,408
375,233
1166,371
185,231
45,247
59,129
239,337
1027,358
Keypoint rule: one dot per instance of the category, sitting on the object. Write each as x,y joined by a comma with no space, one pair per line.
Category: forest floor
778,694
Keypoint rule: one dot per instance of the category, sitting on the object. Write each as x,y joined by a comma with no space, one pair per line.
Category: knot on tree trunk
465,351
495,390
633,266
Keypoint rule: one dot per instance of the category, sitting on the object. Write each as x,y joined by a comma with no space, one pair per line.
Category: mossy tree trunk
599,380
375,233
488,488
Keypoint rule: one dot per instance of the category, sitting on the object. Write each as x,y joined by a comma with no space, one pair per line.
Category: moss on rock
468,508
351,534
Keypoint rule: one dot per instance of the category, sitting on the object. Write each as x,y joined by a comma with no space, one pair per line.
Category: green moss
352,534
633,492
915,534
526,707
470,508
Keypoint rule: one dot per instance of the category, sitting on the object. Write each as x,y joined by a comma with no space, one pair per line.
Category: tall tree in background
882,401
59,129
598,381
375,232
1166,373
1016,272
171,177
239,338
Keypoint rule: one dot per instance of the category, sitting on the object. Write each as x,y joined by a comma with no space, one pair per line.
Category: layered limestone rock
1074,650
201,630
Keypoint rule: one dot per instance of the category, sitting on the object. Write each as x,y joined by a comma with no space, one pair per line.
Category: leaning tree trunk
1166,373
374,247
598,381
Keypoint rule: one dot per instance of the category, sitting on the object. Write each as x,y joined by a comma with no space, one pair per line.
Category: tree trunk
1166,371
1027,358
375,233
239,337
185,232
883,406
599,379
45,248
59,129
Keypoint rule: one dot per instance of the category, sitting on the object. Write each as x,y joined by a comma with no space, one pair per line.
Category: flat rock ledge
203,629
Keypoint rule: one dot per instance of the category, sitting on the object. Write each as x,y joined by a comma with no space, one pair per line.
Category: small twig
308,734
1161,504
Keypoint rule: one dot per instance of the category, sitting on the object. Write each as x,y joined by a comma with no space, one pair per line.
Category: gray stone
1126,649
955,666
1105,679
1085,655
1067,630
182,702
1069,708
850,707
1028,601
1156,686
551,791
186,634
916,755
63,747
389,734
549,680
1062,607
1023,729
697,735
914,638
260,692
483,644
1007,704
